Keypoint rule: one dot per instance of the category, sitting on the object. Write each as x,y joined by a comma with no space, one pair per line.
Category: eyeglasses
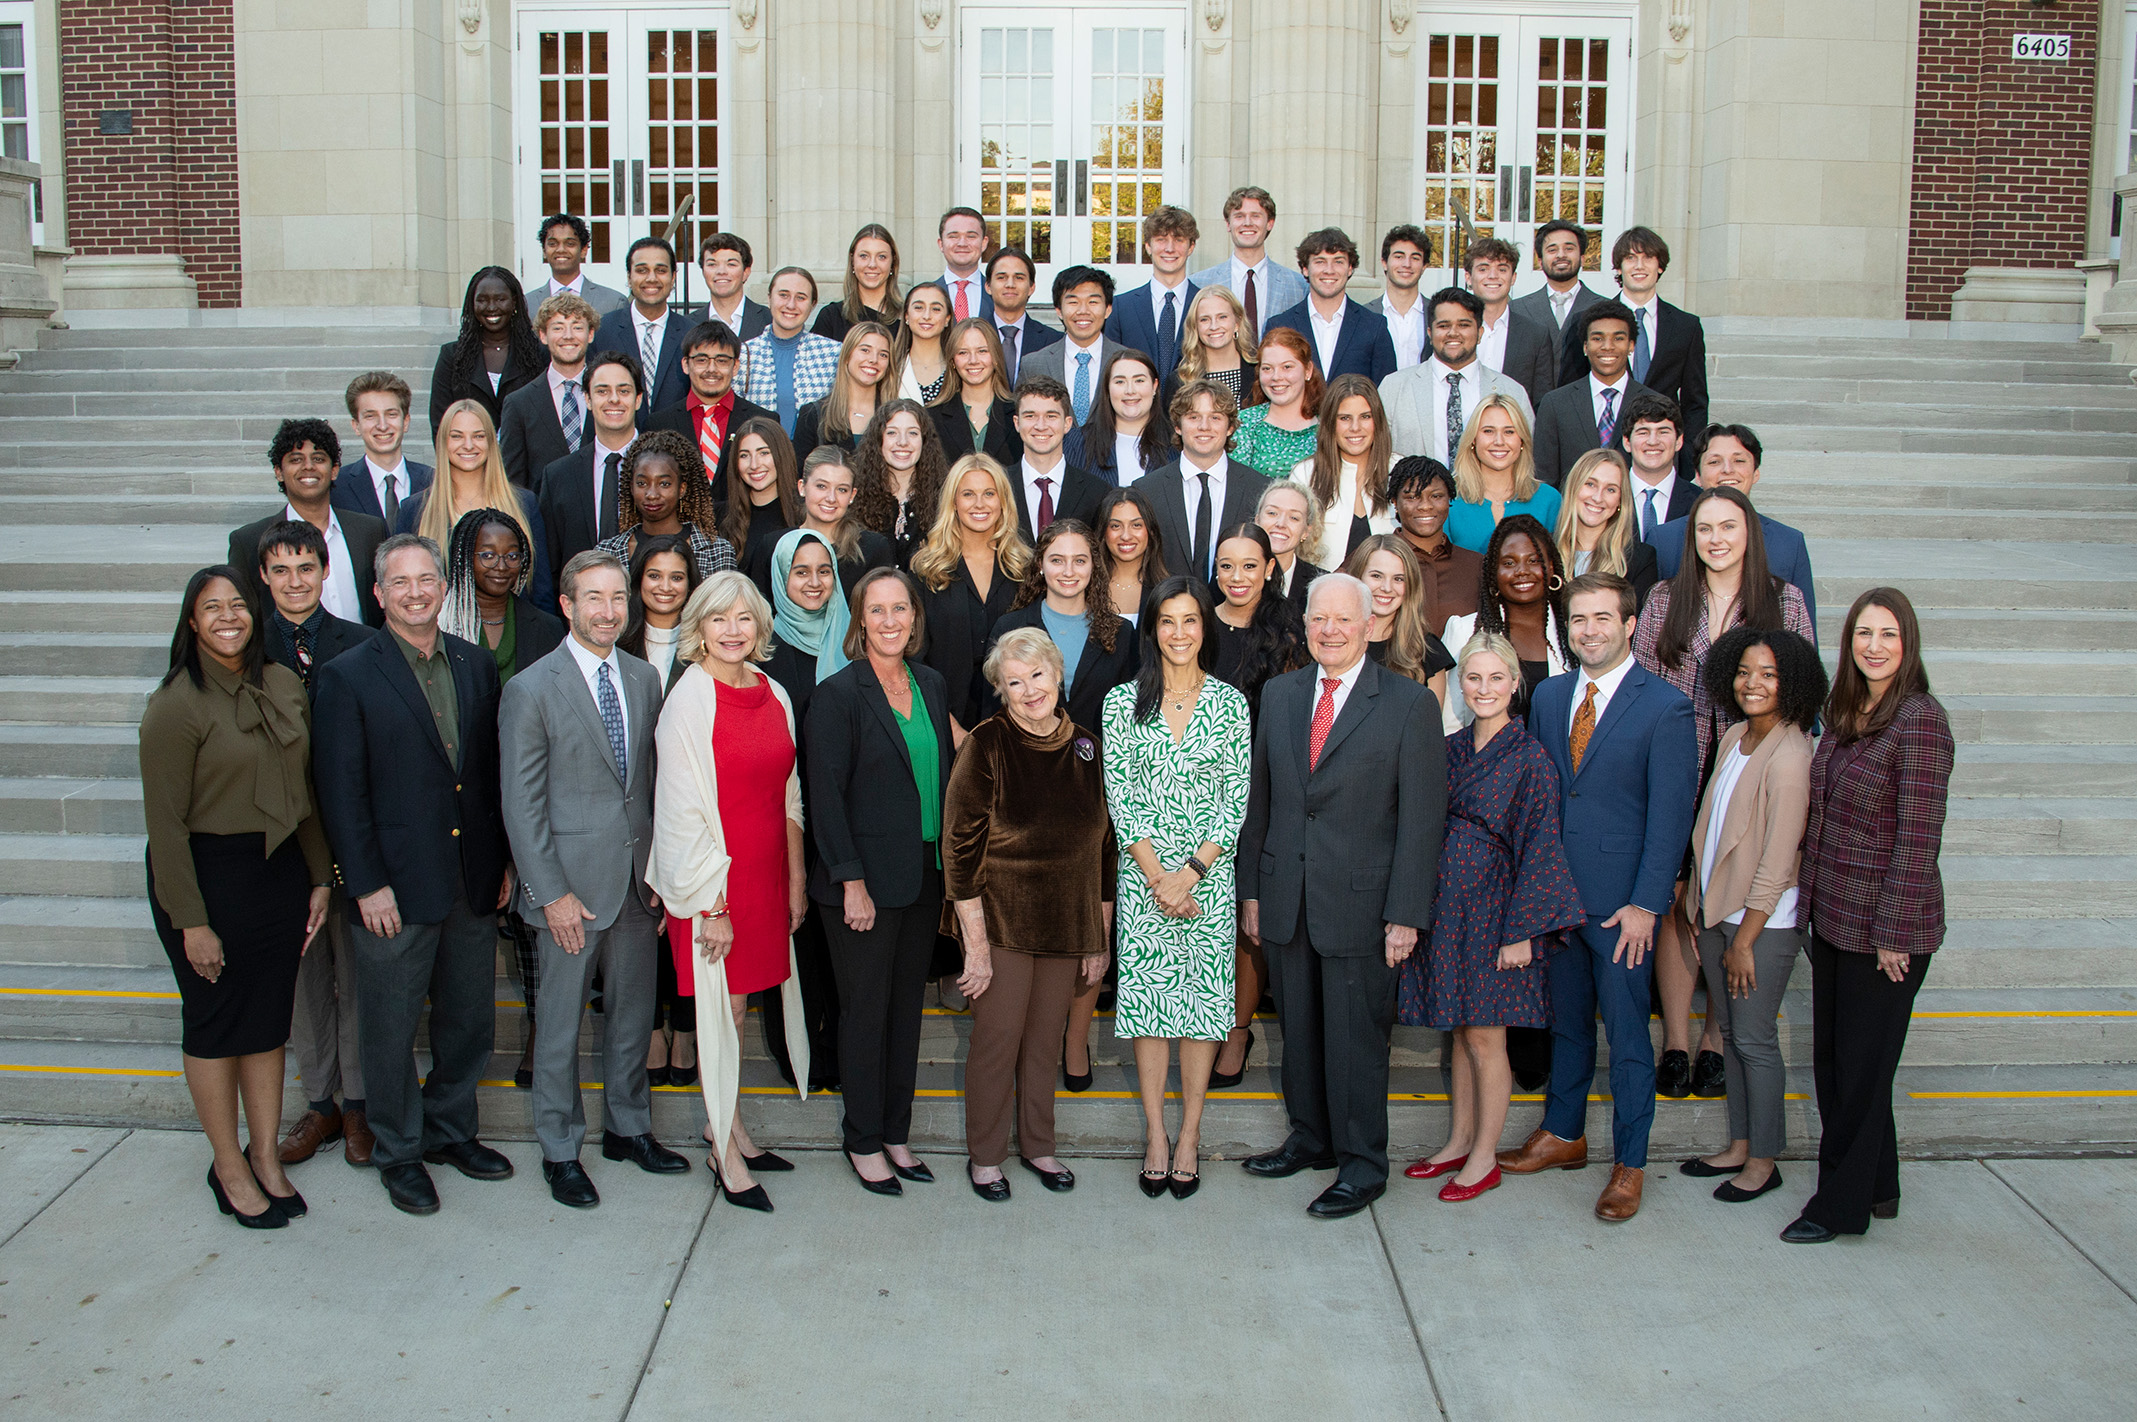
717,362
490,558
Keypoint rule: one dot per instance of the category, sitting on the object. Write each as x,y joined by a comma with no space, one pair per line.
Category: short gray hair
583,563
401,543
1342,582
1032,647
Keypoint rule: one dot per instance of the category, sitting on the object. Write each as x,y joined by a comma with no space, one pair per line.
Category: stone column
1315,69
26,305
833,117
2118,317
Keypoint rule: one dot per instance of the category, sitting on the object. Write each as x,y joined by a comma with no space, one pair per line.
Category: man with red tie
961,237
712,411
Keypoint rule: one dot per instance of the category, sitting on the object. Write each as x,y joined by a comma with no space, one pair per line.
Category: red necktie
1253,310
1324,716
1046,504
964,306
708,442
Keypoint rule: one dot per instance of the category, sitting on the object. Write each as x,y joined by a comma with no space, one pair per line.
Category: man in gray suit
565,241
1560,249
1083,299
1338,867
1429,405
575,738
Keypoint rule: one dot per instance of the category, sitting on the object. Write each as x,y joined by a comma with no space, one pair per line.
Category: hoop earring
1557,583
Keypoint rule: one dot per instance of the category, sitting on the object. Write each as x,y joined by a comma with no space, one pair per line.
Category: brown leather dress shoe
313,1130
1544,1151
1620,1199
357,1138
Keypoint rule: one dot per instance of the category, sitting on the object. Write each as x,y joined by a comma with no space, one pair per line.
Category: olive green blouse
226,758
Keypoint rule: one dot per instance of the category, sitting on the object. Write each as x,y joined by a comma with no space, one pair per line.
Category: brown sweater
1025,831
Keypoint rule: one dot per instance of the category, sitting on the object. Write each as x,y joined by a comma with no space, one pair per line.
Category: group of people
1425,661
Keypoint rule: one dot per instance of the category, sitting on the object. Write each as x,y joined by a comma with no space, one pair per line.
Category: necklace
493,622
1181,700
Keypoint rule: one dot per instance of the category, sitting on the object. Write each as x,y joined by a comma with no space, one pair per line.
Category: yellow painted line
2088,1012
85,992
90,1071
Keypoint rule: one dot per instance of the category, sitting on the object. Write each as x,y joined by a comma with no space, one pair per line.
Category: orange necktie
1583,728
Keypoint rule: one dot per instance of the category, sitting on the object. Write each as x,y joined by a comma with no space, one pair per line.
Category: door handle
1060,193
1083,187
638,187
1528,174
618,204
1506,192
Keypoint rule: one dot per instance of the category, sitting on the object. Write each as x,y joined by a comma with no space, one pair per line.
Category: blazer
1347,846
1788,556
1302,575
1566,428
361,532
1003,444
1363,345
864,808
1033,335
1626,816
1096,672
1054,360
1869,877
676,417
577,824
979,287
808,433
756,319
1408,398
536,632
1078,498
1676,365
1166,488
571,521
354,491
1134,322
530,436
1285,290
960,629
1531,356
603,299
757,372
1537,307
666,385
447,388
1761,829
399,813
335,636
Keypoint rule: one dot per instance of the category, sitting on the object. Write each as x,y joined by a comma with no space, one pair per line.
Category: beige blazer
1761,830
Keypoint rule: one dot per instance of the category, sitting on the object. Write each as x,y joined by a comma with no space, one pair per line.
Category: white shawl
687,867
1455,712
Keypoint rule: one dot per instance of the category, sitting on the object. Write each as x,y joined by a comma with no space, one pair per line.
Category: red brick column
2002,146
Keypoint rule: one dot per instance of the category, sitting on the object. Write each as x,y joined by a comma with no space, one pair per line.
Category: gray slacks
1751,1034
454,964
623,953
323,1029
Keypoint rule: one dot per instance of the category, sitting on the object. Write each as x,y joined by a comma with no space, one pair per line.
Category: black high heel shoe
1072,1082
1184,1183
269,1218
753,1198
874,1187
291,1205
1153,1183
1226,1080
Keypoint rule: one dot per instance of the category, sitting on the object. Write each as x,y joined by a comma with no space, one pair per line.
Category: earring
1557,583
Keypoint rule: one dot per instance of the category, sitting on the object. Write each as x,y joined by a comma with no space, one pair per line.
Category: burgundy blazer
1869,877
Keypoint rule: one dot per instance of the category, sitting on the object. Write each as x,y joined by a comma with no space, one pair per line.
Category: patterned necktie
303,642
1606,429
1046,503
649,348
708,443
1454,415
1082,393
964,302
574,417
390,505
1583,729
1253,308
1647,512
612,718
1639,345
1324,716
1009,351
1168,338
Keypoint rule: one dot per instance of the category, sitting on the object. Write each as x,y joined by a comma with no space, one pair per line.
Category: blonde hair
1489,644
1032,647
1613,546
1469,474
836,418
935,562
1191,357
438,518
719,593
1309,544
567,303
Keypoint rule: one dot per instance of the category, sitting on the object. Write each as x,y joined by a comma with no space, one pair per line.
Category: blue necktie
1607,427
1082,393
574,420
1168,339
1647,512
1639,345
612,718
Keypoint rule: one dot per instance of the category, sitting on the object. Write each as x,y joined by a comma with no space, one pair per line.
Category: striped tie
574,417
1606,429
708,442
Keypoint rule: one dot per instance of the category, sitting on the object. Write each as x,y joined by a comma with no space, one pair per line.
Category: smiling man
1348,338
1589,413
565,242
1153,317
961,237
1668,351
1262,285
306,457
580,494
725,260
545,419
1083,299
646,327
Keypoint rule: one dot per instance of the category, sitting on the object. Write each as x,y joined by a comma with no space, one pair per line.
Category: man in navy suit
376,484
647,328
1628,771
961,237
1348,337
1729,455
1153,317
1654,436
725,260
1010,277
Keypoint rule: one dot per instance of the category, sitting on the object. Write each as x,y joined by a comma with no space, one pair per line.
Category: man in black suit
378,402
1010,279
1204,491
1654,436
545,419
1347,337
306,457
1561,248
1509,342
1669,346
712,413
1338,867
582,494
645,326
725,260
1589,413
1047,486
404,756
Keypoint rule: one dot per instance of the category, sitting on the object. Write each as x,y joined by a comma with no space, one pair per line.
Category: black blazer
676,417
398,813
1531,357
755,318
1566,429
1302,574
1363,345
1003,444
864,809
831,322
536,632
361,532
1165,488
808,421
354,491
665,386
1079,497
960,628
529,435
1641,569
1676,366
335,636
874,551
1095,673
447,388
565,491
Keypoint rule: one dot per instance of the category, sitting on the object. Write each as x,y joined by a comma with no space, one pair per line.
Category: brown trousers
1017,1025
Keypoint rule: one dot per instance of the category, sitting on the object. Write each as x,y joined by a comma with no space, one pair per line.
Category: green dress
1177,975
1268,450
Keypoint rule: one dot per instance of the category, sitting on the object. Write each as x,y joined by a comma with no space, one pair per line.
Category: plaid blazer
1869,875
757,373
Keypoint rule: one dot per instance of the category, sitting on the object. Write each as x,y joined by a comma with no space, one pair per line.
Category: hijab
822,633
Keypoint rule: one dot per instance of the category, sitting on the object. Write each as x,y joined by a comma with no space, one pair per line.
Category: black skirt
257,905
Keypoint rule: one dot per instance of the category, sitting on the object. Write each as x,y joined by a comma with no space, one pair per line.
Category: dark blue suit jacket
1134,323
1363,346
664,387
354,491
1627,816
1788,557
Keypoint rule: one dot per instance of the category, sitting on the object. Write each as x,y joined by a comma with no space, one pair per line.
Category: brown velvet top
1025,831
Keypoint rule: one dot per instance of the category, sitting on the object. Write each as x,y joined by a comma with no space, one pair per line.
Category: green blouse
1268,450
926,754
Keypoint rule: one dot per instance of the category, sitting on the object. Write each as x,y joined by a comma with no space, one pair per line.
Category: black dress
832,324
767,523
1436,658
960,624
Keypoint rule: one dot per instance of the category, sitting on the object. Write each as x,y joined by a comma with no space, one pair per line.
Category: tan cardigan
1762,831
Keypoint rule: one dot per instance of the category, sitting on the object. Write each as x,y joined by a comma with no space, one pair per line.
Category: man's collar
1342,304
727,398
1597,384
1442,550
1188,467
397,467
1463,369
644,320
309,624
1047,471
331,528
584,655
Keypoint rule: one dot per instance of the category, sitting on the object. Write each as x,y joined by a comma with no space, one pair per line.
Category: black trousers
882,978
1858,1027
1336,1015
819,1004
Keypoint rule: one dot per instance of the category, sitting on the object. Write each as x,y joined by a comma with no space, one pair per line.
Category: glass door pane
1125,132
572,98
1575,79
1467,78
1014,123
676,132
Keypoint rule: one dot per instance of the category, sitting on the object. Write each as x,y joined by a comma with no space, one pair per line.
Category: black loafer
1730,1193
994,1191
1673,1075
1807,1231
410,1189
876,1187
644,1152
917,1172
1058,1181
1700,1170
1710,1076
471,1158
656,1076
1339,1200
1885,1210
765,1162
569,1185
1283,1162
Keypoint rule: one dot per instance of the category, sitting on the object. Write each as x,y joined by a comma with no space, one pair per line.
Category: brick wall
171,184
2002,146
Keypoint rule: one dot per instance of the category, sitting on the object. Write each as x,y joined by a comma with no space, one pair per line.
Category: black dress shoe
1078,1084
409,1187
1700,1170
644,1152
1530,1079
917,1172
766,1161
569,1185
1058,1181
994,1191
876,1187
1183,1185
1730,1193
1226,1080
1710,1076
1673,1075
1341,1199
523,1076
1885,1210
823,1086
269,1218
1283,1162
471,1158
1807,1231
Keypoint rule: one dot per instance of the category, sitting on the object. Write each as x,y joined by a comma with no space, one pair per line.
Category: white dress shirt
1606,686
590,668
733,322
379,475
1661,491
1031,477
1491,346
1407,330
1327,330
1263,309
1346,683
576,286
1649,314
337,591
1472,395
1595,397
1191,500
973,285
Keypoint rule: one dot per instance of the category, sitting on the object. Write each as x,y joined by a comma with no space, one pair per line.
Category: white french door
1071,129
1523,118
619,115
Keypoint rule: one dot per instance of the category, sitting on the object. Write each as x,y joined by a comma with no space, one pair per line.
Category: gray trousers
623,954
454,964
323,1028
1751,1034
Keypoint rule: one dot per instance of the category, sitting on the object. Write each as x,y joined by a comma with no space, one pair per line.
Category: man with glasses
712,411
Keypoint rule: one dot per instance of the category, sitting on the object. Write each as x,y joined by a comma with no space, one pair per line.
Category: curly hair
528,352
1802,674
1105,623
459,614
293,435
1491,613
694,503
873,503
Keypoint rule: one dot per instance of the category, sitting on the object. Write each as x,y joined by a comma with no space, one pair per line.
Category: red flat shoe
1454,1194
1431,1170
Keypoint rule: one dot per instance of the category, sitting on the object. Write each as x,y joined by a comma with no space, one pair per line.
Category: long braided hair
1491,612
460,614
527,349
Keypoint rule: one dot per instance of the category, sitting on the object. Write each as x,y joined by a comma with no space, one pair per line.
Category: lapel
404,681
872,693
640,718
1165,492
1354,321
581,696
1735,826
1356,707
1614,715
1283,700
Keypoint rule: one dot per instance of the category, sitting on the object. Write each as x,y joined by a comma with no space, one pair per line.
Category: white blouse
1334,541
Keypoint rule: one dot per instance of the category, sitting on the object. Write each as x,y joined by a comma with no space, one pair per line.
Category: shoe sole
448,1160
413,1209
